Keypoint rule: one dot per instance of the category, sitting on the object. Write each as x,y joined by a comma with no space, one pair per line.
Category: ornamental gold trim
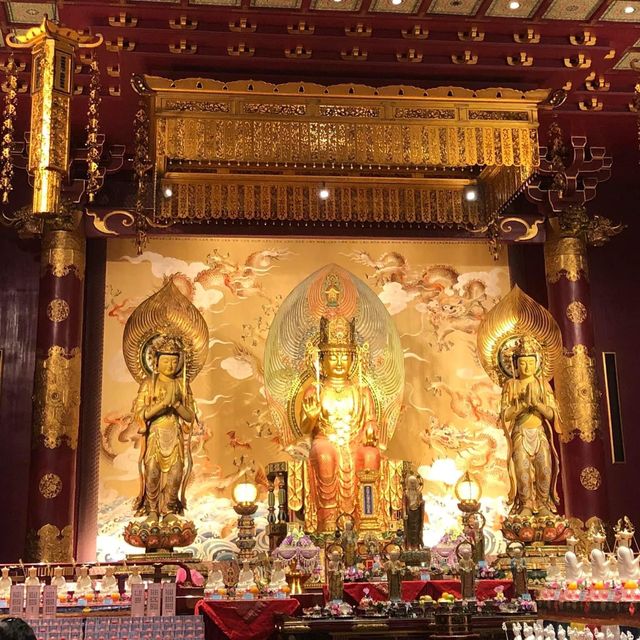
565,257
57,398
58,310
590,478
50,486
576,312
578,395
62,252
373,201
53,544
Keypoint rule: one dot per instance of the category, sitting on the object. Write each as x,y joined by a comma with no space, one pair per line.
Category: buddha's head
337,346
169,356
526,357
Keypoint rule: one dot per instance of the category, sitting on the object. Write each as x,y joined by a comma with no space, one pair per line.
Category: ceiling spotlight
396,2
514,4
167,191
471,193
323,194
629,9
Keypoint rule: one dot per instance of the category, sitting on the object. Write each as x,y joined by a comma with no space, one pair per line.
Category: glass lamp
468,492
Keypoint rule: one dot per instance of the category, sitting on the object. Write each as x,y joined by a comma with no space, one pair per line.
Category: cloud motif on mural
395,297
237,367
165,266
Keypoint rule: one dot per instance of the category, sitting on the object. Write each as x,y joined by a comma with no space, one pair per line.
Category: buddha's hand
311,405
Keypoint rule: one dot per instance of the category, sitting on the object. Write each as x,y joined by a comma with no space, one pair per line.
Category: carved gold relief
57,398
50,485
576,312
578,395
565,257
63,251
590,478
54,545
58,310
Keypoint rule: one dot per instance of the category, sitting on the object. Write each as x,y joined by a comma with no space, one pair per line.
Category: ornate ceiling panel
331,5
502,9
455,7
571,9
30,12
407,6
620,11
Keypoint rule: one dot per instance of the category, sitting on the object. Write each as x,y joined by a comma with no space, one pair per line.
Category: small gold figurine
516,552
413,512
335,573
395,570
466,570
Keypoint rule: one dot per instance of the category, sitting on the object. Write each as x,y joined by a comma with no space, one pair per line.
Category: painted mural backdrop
436,293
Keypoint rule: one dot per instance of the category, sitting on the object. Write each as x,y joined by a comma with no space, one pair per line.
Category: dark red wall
19,277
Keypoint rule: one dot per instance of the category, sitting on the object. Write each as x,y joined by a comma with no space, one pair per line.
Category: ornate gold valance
254,150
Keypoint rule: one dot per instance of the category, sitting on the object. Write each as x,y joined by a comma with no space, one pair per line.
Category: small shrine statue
246,579
109,582
554,573
133,578
628,566
349,543
84,583
59,582
466,570
518,569
474,530
413,512
394,568
519,344
624,531
32,579
600,566
278,580
215,581
573,568
340,416
5,584
335,575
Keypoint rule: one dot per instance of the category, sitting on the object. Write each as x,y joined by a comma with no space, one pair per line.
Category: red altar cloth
243,619
413,589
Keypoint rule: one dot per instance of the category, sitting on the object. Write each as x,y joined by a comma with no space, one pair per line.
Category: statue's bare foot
170,519
525,512
545,511
152,518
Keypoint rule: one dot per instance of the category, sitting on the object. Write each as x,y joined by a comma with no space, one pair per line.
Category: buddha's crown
337,333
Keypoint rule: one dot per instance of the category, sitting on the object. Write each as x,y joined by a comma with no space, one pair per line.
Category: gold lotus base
160,537
547,530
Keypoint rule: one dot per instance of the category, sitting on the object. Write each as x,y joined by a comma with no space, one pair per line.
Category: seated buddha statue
339,415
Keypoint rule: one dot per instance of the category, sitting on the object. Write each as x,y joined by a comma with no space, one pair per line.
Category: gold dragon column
56,411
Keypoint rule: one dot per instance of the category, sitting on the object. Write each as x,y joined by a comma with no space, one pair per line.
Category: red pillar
581,444
52,478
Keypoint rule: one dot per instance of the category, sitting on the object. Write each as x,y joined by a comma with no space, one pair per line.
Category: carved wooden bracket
410,56
183,47
418,32
359,31
242,26
584,39
523,59
473,35
299,52
530,36
355,54
121,44
241,50
466,58
123,20
183,22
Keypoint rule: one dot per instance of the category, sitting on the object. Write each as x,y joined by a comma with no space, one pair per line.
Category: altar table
413,589
243,619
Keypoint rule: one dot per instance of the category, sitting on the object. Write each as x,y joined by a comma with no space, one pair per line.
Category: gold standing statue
334,378
519,343
165,346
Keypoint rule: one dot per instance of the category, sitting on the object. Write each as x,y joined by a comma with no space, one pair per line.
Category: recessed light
470,193
167,192
629,9
396,2
514,4
323,194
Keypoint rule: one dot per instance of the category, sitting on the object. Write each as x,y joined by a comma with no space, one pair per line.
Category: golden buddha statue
164,412
529,417
334,377
165,345
519,344
339,415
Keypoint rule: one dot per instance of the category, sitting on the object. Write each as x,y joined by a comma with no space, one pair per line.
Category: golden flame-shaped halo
166,313
517,315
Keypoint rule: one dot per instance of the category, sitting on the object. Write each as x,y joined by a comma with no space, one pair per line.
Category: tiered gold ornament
165,346
519,344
